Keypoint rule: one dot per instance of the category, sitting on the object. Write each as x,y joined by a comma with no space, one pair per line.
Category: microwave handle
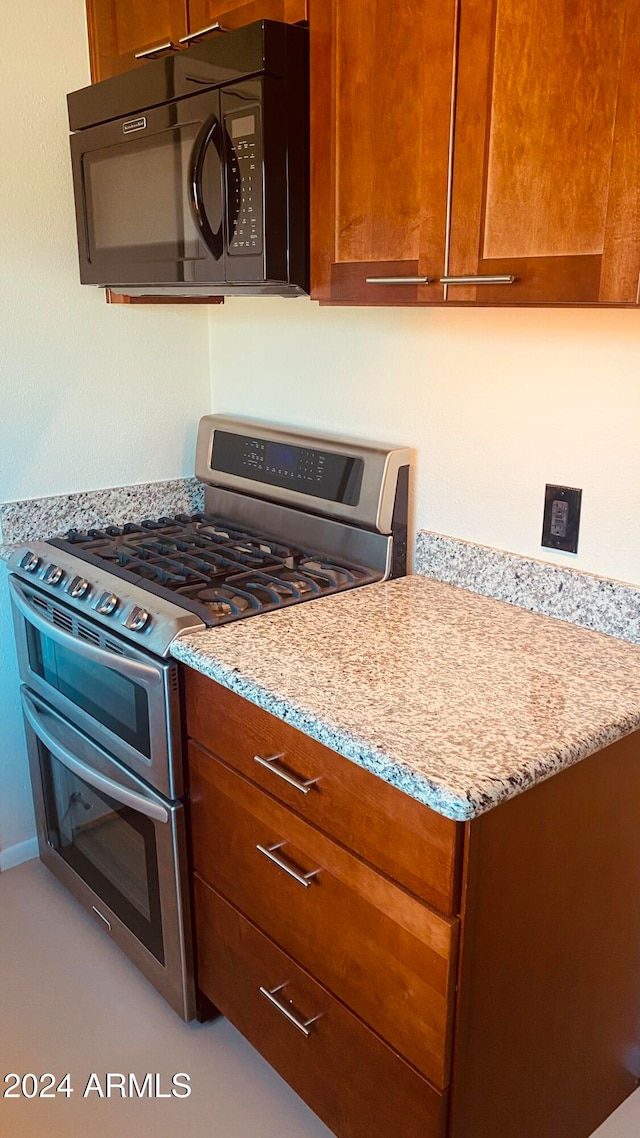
98,781
209,133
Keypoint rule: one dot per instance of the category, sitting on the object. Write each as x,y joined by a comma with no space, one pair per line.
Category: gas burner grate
211,567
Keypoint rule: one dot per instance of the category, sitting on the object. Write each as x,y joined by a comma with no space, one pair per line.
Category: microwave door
135,190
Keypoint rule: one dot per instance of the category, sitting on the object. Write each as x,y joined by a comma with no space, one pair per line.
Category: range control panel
325,474
244,132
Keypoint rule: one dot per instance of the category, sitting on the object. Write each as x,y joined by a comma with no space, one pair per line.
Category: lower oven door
119,847
123,698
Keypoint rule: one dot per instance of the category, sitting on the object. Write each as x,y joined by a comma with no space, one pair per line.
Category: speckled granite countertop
460,700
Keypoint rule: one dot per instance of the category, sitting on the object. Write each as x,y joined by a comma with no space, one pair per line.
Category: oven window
121,705
110,846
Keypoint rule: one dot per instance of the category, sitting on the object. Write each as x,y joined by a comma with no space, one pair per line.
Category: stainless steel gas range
290,516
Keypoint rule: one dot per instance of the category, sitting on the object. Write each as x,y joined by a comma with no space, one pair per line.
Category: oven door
117,845
124,699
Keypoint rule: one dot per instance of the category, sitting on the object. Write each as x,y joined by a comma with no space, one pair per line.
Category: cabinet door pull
151,51
193,36
302,1025
270,765
399,280
305,879
504,280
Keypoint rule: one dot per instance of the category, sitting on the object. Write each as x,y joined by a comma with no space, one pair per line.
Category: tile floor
70,1002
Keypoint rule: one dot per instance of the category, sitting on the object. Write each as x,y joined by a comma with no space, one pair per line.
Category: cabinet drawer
400,836
380,950
348,1076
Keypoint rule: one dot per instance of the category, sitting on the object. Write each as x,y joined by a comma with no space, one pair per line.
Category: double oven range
289,516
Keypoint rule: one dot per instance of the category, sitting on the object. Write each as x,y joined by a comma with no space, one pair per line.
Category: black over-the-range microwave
191,173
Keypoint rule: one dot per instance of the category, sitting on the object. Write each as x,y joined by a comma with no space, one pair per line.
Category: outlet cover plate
561,523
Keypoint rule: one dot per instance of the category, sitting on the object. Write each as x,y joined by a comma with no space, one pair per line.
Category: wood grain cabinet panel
547,1032
120,28
230,15
392,831
528,1029
349,1077
382,952
381,77
476,138
542,158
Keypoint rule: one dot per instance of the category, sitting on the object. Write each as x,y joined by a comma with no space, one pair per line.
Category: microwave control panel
244,136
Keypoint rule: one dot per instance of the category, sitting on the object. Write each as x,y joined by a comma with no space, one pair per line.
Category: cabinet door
120,28
232,14
546,183
381,81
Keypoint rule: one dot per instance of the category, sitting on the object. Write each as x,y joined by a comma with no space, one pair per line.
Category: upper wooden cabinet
235,13
120,28
531,170
381,82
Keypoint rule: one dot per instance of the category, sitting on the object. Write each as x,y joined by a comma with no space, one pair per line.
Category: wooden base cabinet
338,1066
512,1010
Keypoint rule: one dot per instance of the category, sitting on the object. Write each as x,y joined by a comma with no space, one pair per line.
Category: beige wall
496,403
91,395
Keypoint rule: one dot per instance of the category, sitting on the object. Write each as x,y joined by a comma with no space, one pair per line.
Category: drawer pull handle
471,280
151,51
305,879
399,280
270,764
302,1025
195,36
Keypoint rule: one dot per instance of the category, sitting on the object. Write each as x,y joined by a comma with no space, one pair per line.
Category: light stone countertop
460,700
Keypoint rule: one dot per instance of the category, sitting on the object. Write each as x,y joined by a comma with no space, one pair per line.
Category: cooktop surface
204,564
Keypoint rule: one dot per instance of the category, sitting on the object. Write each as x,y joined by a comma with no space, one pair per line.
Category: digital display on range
324,474
281,457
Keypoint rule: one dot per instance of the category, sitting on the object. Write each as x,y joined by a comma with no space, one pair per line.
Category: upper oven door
149,192
122,698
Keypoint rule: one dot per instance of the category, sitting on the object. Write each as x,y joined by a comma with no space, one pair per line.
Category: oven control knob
137,619
106,604
52,575
30,562
78,588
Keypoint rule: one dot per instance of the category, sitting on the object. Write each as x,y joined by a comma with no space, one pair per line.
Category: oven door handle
132,669
98,781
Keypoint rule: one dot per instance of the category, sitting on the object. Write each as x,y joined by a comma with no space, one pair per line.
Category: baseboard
15,855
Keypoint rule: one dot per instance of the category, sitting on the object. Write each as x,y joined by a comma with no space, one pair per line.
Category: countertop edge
330,735
481,798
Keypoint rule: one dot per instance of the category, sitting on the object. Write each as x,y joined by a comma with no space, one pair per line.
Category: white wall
91,395
496,402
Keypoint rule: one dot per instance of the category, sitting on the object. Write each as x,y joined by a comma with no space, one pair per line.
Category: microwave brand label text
134,124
